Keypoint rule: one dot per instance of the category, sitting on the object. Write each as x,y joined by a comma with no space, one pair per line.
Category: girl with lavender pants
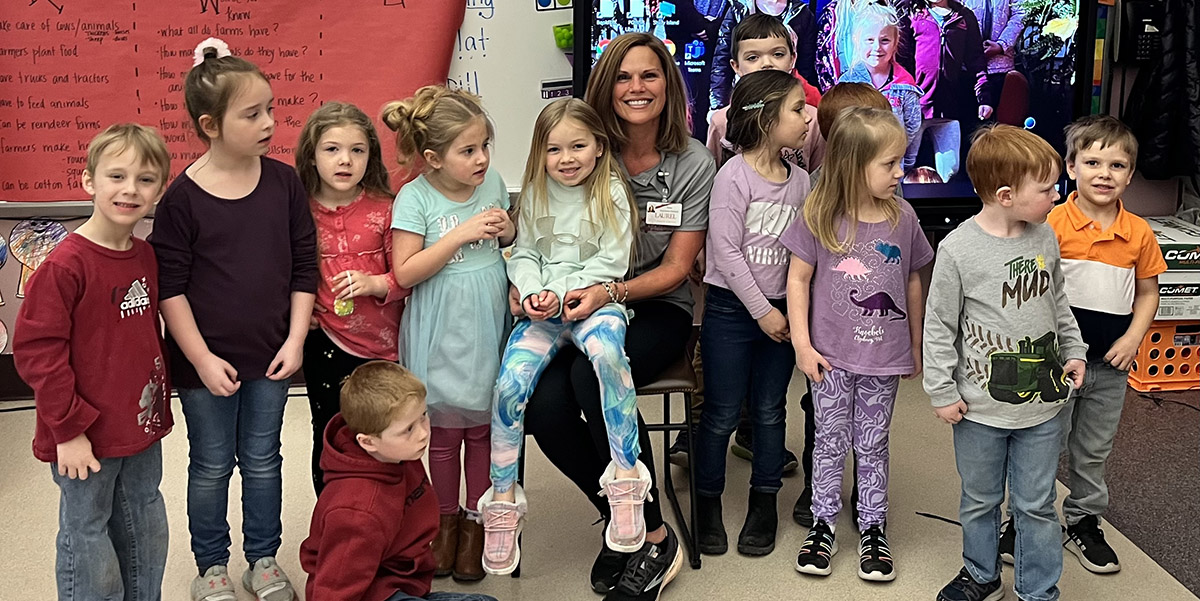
852,410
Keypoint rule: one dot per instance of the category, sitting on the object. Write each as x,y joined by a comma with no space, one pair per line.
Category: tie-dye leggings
852,409
531,346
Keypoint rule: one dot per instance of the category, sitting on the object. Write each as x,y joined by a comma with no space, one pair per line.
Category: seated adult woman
638,92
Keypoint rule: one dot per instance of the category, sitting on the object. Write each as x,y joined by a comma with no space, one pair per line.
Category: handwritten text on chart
70,68
486,9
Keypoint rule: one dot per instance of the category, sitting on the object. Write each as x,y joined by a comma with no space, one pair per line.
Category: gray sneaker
214,585
268,581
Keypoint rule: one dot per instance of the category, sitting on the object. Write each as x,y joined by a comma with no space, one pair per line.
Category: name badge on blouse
664,213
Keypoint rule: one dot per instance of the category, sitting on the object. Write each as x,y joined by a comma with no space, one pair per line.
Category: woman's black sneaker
874,557
964,588
817,551
649,570
1086,540
607,568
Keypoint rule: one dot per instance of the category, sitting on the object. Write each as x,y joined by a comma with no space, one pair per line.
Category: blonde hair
211,85
533,202
862,134
673,130
329,116
1003,155
1105,129
867,14
844,95
375,393
430,120
754,107
145,142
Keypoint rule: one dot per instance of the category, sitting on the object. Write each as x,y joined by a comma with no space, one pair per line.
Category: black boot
710,528
802,512
762,520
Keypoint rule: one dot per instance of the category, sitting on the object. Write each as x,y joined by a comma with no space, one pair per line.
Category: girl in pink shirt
357,315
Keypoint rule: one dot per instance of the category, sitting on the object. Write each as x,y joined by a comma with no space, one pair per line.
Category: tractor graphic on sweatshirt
1033,370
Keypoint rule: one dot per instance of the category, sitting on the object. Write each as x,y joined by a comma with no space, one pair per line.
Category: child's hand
483,226
918,365
1075,369
75,458
810,362
289,359
951,414
696,275
775,325
312,319
542,305
218,376
1122,353
352,283
508,229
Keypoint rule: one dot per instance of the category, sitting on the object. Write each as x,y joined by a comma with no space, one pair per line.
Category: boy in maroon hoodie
375,521
87,341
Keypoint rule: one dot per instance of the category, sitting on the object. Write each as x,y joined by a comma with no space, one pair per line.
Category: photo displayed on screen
946,66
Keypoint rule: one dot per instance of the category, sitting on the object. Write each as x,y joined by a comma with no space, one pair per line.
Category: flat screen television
1017,58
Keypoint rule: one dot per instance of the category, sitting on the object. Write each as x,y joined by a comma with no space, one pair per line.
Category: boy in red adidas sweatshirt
375,521
87,341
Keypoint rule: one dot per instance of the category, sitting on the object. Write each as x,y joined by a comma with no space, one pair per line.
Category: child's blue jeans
1027,459
242,430
112,530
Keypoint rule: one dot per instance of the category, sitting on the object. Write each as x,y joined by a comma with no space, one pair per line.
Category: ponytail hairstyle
754,107
340,114
861,135
216,77
430,120
602,209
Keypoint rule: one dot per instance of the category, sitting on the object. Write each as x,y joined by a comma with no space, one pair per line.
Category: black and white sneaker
607,568
649,570
1008,541
817,551
874,556
1086,540
964,588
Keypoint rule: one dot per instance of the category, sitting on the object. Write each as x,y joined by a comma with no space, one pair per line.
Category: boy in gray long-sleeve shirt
1001,351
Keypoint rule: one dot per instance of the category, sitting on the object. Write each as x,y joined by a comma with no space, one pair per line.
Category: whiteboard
504,52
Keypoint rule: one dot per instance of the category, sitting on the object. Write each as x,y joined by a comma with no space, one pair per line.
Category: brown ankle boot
445,546
468,565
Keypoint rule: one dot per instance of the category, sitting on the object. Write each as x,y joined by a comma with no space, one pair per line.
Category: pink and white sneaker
626,530
502,523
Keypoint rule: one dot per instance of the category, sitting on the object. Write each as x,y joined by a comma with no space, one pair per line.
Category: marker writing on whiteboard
485,8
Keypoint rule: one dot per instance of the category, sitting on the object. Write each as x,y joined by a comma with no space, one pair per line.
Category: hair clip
753,105
219,46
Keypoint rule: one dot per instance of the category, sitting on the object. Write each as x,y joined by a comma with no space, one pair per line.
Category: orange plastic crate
1168,359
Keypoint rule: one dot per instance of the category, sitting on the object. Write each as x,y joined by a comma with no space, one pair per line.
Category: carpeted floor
1154,480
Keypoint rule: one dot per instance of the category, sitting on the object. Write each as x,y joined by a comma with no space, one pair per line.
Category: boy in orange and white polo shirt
1111,262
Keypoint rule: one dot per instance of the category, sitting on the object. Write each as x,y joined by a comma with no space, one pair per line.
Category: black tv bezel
943,212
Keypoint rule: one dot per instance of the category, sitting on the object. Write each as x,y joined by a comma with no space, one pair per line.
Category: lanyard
666,188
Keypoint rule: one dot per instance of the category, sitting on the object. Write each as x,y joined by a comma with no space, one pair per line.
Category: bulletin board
69,68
